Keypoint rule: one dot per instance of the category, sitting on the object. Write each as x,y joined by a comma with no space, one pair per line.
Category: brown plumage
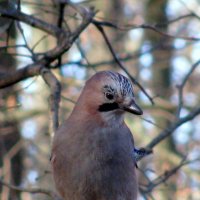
92,154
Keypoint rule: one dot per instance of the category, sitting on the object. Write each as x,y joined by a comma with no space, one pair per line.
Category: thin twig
83,55
171,128
29,190
38,42
126,27
181,87
154,28
166,175
25,41
100,28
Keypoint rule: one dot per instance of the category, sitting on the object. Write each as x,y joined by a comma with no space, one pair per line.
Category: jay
92,152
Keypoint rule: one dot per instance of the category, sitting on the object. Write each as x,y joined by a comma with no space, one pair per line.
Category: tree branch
154,28
182,85
30,20
29,190
11,78
54,100
65,41
165,176
100,28
168,131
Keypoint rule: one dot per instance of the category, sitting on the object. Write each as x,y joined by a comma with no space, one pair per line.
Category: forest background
49,48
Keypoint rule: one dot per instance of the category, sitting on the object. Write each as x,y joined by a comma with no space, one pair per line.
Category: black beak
133,108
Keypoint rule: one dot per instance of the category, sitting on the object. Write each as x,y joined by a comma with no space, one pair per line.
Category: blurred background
158,43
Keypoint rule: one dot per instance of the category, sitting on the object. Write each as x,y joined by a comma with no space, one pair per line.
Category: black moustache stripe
108,107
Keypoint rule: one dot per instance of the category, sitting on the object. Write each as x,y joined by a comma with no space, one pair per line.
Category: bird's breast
98,162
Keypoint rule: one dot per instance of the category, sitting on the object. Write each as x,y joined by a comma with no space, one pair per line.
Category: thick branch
11,78
64,43
30,20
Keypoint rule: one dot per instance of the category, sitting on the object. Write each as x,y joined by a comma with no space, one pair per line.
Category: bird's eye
109,96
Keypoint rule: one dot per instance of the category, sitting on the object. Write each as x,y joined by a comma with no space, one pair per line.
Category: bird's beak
133,108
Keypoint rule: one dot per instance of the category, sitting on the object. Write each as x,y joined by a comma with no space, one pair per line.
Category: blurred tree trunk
115,14
156,13
117,10
161,84
10,148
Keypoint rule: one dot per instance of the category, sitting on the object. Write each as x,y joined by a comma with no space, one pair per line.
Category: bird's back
92,163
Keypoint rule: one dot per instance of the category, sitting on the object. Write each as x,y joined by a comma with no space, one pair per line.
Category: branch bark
29,190
64,42
54,99
117,60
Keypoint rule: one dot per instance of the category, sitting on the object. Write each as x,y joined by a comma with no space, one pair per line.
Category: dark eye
109,96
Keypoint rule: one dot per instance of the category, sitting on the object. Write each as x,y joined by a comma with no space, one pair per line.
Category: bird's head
109,93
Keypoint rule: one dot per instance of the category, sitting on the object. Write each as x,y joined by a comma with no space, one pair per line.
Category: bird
139,153
92,151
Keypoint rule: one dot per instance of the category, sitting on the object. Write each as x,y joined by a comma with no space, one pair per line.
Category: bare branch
166,175
124,58
11,78
29,190
100,28
126,27
32,21
182,85
54,100
171,128
59,24
145,26
154,28
64,43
